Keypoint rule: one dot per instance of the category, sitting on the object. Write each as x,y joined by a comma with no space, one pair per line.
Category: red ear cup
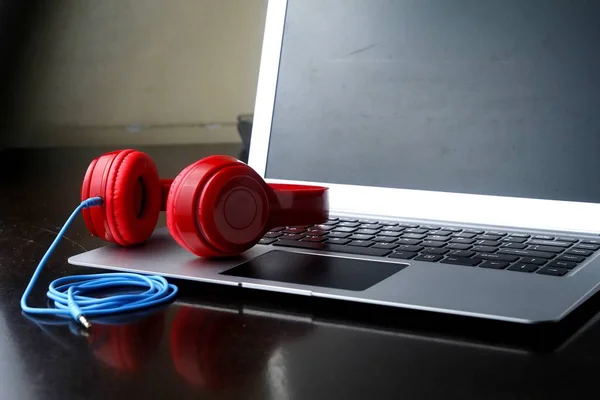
219,350
128,183
127,347
217,206
195,343
208,353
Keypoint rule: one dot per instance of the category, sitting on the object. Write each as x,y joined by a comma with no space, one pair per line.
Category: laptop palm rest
314,270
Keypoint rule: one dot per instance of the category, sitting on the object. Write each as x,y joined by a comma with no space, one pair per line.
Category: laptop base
501,295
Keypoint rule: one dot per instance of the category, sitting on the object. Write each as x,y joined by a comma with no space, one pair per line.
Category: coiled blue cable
70,294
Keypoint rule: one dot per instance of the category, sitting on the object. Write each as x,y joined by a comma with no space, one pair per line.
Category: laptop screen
480,97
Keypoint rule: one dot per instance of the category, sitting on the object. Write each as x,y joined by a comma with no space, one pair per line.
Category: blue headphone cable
71,294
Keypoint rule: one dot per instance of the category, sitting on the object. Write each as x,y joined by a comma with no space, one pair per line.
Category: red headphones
217,206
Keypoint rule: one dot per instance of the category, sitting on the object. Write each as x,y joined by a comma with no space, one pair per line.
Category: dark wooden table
224,343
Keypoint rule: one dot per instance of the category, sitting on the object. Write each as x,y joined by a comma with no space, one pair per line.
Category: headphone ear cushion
134,188
129,185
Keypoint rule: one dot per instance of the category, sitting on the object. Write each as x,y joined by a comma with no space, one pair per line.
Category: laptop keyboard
510,251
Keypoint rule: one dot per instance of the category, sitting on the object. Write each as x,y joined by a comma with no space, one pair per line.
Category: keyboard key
294,229
407,225
413,236
387,239
393,228
266,241
534,260
488,237
469,262
405,255
430,227
513,239
323,227
475,231
514,246
432,243
550,249
587,246
338,241
390,246
272,235
522,267
408,247
591,241
484,249
361,243
415,230
549,243
316,232
437,238
527,253
390,233
464,235
361,237
544,237
492,243
433,250
428,257
333,219
292,236
446,228
370,226
368,221
519,235
580,252
495,257
553,271
277,229
338,235
566,239
462,254
562,264
494,264
347,219
350,224
388,223
346,229
368,251
458,246
367,231
571,258
404,240
313,238
462,241
496,233
441,233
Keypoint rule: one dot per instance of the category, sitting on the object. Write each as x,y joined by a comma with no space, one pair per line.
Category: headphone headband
298,205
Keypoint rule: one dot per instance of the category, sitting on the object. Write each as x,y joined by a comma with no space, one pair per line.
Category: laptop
459,141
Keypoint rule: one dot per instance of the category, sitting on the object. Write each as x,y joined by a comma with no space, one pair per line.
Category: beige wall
181,69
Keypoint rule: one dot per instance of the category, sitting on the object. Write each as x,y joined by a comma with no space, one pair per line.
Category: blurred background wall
126,72
14,21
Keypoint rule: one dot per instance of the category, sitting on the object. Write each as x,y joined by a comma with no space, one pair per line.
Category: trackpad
314,270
